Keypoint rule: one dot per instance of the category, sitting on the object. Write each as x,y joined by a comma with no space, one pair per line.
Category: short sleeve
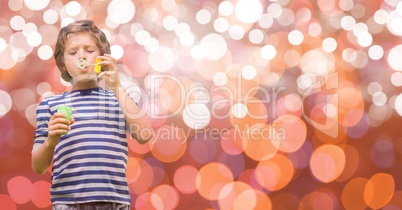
134,93
43,115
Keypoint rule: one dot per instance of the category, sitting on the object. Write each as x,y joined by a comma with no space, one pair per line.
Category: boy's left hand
111,75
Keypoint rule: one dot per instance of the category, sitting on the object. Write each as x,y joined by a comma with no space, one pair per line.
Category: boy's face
80,46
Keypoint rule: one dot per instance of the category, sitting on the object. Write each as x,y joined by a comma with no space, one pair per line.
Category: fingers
107,60
72,120
113,59
59,125
110,61
59,117
59,129
111,74
102,74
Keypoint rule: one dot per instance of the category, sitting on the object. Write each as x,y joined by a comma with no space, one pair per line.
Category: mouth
83,70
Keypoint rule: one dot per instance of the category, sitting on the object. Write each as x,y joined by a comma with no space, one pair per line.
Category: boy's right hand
58,125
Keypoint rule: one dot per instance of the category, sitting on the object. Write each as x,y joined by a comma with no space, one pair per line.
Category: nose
81,54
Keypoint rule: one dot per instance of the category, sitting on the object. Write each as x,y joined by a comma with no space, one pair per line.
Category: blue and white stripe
89,162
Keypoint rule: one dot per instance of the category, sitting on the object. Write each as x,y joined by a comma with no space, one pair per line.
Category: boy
89,151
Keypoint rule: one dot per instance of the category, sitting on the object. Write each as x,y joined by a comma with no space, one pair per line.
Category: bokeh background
289,104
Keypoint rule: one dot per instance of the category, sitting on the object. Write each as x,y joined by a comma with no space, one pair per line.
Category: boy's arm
138,122
43,156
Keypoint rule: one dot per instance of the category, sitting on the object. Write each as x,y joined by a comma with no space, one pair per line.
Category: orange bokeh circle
211,178
327,162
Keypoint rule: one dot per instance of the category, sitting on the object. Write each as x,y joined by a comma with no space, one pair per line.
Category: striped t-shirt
89,163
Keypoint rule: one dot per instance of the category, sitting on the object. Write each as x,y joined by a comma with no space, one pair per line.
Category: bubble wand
82,63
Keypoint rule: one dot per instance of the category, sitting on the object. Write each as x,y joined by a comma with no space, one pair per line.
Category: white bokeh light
394,58
287,17
152,45
330,110
379,98
187,39
3,44
274,10
364,39
303,14
248,11
117,51
170,23
348,23
376,52
19,46
305,81
329,44
121,11
110,23
215,46
135,28
45,52
182,28
29,28
17,22
151,13
248,72
314,29
360,28
226,8
221,25
50,16
239,110
18,54
256,36
73,8
6,61
161,60
316,62
399,8
196,116
34,39
197,52
394,23
236,32
203,16
396,79
349,54
295,37
142,37
66,21
36,4
268,52
381,16
43,87
398,104
15,5
265,21
361,59
374,87
5,103
220,79
30,114
168,5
